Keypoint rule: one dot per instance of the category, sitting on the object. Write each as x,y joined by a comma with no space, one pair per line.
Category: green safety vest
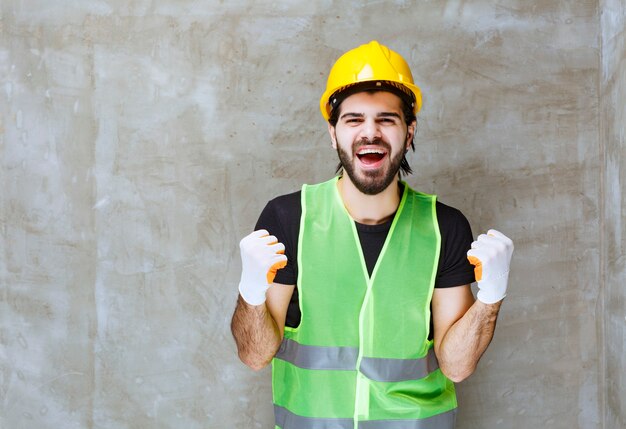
361,357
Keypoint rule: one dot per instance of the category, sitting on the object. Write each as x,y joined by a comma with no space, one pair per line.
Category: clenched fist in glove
491,256
261,256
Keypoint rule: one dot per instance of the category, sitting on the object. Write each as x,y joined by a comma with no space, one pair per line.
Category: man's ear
410,133
333,135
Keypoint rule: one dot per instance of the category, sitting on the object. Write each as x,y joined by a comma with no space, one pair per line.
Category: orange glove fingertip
478,267
271,274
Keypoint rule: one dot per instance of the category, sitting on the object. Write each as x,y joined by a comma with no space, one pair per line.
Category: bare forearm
255,333
466,341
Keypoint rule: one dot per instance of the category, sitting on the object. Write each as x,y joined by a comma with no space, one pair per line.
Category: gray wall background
613,238
139,141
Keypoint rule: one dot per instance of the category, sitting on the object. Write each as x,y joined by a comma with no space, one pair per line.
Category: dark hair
409,118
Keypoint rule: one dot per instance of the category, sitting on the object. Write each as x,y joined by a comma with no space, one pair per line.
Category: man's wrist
487,296
252,294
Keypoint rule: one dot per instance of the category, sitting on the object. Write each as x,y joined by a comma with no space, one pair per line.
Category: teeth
366,151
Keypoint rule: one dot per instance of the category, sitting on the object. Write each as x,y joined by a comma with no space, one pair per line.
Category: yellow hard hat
372,63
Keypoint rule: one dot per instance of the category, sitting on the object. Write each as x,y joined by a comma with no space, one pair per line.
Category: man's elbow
458,374
254,362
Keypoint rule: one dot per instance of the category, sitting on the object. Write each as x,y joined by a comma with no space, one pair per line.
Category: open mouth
371,157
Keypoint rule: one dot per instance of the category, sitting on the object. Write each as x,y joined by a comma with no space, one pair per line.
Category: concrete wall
140,140
613,132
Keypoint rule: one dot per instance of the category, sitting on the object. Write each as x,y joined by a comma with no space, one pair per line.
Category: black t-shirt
281,217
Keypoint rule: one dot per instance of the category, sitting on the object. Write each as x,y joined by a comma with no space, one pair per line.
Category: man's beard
374,182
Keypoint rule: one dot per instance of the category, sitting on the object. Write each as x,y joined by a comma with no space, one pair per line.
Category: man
358,289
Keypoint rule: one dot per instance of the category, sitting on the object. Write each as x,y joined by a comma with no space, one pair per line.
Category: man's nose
370,129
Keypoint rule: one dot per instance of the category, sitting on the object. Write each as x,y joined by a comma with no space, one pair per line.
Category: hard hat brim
411,94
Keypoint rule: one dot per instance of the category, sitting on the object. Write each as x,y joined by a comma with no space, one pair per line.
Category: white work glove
261,256
491,256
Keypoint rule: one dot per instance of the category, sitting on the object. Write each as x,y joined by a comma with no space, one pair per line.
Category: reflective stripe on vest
287,419
345,358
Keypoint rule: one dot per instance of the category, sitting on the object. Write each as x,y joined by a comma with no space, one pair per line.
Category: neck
369,209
